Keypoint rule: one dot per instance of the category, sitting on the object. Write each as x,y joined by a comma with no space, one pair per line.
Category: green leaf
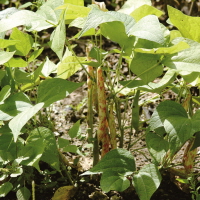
13,105
145,10
57,40
17,123
23,194
62,142
34,55
16,62
7,12
167,79
24,17
146,66
112,180
75,130
186,60
50,154
147,181
5,56
189,76
72,149
118,160
178,126
2,74
22,77
180,129
69,66
53,4
164,50
5,188
25,42
97,17
5,93
131,5
157,146
182,21
7,145
31,153
148,28
108,31
52,90
6,43
75,2
74,11
165,110
48,68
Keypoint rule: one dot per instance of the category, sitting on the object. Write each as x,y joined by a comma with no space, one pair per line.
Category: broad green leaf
72,149
148,28
48,68
157,146
7,145
5,56
165,50
180,129
35,54
62,142
50,154
2,74
196,141
57,40
4,93
182,22
167,79
27,18
22,77
26,5
7,12
112,180
74,11
147,181
165,110
48,13
178,126
189,77
25,42
97,17
32,152
23,194
52,90
118,160
6,43
5,188
131,5
145,10
146,66
108,31
17,123
16,62
186,60
13,105
69,66
79,22
75,2
75,130
53,4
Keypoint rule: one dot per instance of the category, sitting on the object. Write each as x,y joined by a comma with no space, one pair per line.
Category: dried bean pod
189,157
102,132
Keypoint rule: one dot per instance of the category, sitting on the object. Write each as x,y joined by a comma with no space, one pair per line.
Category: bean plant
159,60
